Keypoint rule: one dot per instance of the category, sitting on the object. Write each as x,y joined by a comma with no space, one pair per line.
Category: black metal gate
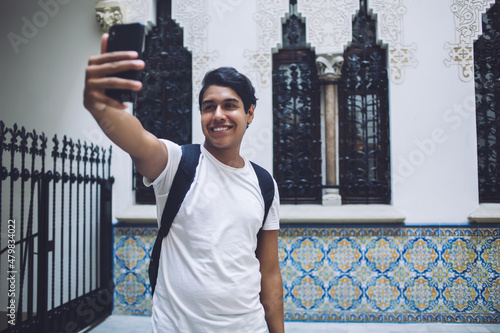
56,245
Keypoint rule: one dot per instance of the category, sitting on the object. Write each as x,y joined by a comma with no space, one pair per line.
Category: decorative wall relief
141,11
329,66
329,29
108,13
390,19
260,66
193,16
328,23
468,27
268,18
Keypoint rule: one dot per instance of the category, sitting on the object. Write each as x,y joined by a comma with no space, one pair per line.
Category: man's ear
250,114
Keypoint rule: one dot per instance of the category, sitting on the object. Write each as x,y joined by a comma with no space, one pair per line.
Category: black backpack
180,186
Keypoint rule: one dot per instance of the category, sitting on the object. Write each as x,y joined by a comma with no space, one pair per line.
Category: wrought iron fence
56,244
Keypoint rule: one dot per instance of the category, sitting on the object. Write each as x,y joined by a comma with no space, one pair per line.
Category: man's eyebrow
232,100
209,101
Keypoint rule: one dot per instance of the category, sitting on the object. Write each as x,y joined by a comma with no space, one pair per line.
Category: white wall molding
486,213
340,214
294,214
138,214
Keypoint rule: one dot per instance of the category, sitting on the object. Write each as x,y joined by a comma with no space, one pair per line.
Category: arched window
487,79
364,155
296,110
164,105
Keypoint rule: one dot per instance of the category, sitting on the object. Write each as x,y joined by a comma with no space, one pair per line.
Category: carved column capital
329,66
109,13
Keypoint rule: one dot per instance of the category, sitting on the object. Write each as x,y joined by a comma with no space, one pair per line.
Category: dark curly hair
231,78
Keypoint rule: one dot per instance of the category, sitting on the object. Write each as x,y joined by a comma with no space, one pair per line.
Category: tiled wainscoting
131,252
362,273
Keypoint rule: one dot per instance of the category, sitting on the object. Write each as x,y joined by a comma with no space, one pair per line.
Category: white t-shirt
209,279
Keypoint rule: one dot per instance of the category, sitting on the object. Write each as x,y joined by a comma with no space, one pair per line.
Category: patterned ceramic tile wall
391,274
357,274
131,253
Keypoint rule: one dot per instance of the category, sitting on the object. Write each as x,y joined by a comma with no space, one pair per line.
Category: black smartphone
125,37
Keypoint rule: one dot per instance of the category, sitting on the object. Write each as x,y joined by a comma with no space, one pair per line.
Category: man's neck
229,157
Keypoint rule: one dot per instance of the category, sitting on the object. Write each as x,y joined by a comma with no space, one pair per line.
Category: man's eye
208,107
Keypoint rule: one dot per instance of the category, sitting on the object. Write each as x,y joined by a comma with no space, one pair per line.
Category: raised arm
149,154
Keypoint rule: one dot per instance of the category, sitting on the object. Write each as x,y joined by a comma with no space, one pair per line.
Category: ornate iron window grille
296,91
487,79
164,105
364,161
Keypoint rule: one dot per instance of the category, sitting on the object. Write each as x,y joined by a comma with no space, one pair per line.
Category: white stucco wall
433,135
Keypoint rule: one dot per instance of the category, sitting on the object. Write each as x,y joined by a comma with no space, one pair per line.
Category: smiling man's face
223,120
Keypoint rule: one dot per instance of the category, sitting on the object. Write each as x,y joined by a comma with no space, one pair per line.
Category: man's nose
219,113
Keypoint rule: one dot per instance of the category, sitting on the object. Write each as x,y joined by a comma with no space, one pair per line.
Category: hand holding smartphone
125,37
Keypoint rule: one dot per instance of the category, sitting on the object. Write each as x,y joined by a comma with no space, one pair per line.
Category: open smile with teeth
221,129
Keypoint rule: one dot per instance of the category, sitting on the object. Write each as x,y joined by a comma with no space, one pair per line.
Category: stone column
329,71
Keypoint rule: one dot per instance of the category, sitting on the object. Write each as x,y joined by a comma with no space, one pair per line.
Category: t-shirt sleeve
163,182
273,217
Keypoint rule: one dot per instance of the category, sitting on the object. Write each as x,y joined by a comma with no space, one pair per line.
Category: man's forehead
220,93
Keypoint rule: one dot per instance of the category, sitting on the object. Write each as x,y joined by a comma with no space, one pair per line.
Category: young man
217,272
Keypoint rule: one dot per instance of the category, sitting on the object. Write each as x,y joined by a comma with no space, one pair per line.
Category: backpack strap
180,186
266,185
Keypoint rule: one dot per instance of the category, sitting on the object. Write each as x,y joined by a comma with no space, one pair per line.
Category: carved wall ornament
268,18
202,63
259,66
468,27
141,11
328,23
192,16
390,22
401,56
109,13
329,66
113,12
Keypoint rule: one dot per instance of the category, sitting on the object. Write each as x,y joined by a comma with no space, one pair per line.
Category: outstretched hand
97,78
